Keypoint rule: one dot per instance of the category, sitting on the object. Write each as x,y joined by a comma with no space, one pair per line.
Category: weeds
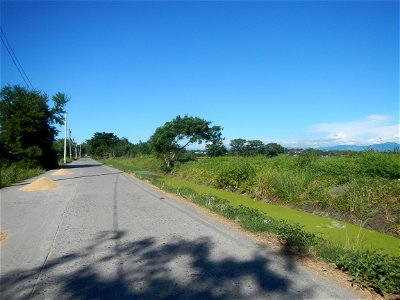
372,269
235,176
357,187
16,173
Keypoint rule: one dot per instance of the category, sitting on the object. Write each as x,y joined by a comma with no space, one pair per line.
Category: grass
16,173
361,189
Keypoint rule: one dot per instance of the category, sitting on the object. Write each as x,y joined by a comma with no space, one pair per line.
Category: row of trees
105,145
170,141
28,126
242,147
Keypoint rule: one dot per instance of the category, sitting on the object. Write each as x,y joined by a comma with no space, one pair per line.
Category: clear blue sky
296,73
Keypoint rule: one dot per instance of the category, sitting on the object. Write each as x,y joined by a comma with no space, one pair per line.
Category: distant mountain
384,147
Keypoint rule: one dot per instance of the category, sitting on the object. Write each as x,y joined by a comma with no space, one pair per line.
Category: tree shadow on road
77,166
150,268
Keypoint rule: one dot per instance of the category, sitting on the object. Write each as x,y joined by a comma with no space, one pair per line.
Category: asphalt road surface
103,235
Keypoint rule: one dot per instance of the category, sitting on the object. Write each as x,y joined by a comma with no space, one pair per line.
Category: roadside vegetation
363,189
15,173
27,132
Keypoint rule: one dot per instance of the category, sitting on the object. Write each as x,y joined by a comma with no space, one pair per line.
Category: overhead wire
15,60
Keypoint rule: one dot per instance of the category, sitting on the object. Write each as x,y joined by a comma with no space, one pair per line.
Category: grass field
360,189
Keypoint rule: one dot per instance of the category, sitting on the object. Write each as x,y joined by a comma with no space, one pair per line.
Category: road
104,235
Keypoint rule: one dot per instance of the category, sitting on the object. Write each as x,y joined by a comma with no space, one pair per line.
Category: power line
15,59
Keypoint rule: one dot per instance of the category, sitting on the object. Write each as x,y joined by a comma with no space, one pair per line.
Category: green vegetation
107,145
374,269
362,189
27,132
241,147
167,140
355,186
15,173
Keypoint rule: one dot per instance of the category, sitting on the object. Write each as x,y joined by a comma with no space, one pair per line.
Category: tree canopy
28,127
243,147
238,146
216,148
273,149
107,144
169,140
102,144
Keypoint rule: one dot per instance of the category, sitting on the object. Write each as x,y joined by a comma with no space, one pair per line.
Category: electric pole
76,149
70,146
65,139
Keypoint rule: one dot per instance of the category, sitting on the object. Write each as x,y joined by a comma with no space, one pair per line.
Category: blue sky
298,73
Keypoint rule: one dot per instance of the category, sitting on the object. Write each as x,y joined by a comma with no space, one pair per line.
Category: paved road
102,235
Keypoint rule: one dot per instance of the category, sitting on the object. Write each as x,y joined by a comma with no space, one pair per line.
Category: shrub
17,172
233,177
365,197
372,269
295,238
375,164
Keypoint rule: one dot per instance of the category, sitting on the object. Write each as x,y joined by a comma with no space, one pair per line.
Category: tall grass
142,162
363,188
15,173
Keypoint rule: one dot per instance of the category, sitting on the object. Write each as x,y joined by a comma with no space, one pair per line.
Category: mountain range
384,147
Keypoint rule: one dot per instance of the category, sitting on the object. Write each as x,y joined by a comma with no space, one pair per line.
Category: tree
273,149
169,140
254,147
102,144
27,126
123,147
58,147
216,148
238,146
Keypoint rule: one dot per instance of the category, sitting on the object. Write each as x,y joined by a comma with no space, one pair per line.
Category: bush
363,198
17,172
233,177
295,238
375,164
372,269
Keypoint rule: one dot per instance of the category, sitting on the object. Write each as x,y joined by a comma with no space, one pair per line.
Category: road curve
103,235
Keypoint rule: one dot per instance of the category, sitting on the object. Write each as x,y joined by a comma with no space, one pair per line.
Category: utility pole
65,139
80,150
76,149
70,146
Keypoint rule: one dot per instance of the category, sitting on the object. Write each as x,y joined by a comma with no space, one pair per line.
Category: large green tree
254,147
27,125
171,139
102,144
216,148
238,146
273,149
